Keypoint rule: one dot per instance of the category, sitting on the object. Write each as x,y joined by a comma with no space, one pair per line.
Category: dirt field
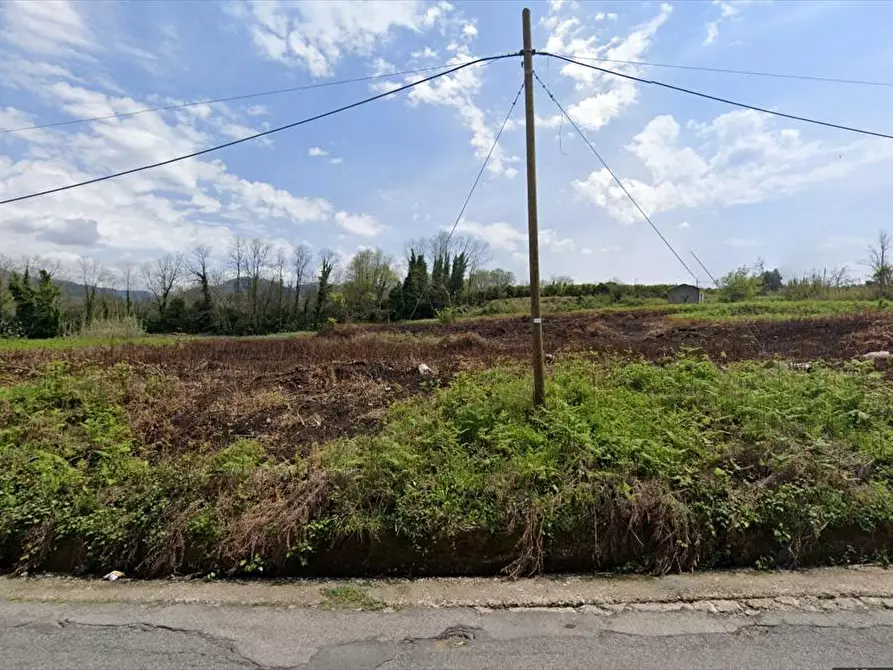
292,393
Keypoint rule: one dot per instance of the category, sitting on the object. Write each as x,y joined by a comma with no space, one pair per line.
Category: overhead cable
232,98
294,124
722,70
715,98
477,179
616,179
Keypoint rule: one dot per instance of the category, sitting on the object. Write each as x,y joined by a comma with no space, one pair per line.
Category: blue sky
730,184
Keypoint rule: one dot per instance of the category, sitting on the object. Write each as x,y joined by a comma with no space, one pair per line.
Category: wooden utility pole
539,385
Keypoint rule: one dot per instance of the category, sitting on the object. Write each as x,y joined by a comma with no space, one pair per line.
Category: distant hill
76,291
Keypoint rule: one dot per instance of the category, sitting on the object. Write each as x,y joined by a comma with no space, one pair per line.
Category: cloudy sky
729,184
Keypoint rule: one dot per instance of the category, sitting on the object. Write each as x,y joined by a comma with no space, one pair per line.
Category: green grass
151,340
85,342
349,597
768,309
630,466
758,309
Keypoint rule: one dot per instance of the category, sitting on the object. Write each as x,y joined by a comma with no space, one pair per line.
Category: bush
738,285
447,315
113,327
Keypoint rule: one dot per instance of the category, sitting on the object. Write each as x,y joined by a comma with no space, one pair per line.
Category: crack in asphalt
375,652
227,645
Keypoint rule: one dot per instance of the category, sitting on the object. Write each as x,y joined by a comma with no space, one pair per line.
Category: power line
231,98
257,135
477,180
616,179
704,267
718,99
750,73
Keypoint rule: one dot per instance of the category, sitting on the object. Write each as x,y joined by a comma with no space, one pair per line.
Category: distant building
685,294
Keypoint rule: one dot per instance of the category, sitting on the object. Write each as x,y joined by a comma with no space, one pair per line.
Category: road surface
121,636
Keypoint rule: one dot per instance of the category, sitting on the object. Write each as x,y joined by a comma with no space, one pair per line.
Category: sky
729,184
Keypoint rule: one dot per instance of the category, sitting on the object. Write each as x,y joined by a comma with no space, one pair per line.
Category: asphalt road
121,636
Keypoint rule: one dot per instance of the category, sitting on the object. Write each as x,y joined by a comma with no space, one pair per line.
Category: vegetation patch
632,466
348,597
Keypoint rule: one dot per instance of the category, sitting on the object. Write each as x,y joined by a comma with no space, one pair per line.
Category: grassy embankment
762,308
632,466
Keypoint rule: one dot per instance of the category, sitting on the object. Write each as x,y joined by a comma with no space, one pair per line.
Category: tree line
259,288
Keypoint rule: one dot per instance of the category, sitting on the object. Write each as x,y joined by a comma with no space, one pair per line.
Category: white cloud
46,27
427,52
554,242
237,131
741,157
12,118
458,91
604,96
317,35
585,251
728,10
499,235
469,30
380,66
319,152
503,236
363,225
171,208
257,110
685,225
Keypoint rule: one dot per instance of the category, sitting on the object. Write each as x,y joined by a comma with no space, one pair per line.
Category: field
668,444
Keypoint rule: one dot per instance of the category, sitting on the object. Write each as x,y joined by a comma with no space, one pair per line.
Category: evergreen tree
37,309
457,275
415,303
327,264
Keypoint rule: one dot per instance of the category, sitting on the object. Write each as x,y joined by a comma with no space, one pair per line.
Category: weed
349,597
447,315
113,328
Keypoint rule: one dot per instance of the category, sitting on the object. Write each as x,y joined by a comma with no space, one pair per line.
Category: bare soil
293,393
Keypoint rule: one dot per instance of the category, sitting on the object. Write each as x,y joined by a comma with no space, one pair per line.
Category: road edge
817,589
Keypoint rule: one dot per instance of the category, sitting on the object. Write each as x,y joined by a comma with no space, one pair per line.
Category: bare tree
161,276
477,252
197,265
327,262
127,278
237,253
256,259
879,262
91,274
840,277
301,258
280,259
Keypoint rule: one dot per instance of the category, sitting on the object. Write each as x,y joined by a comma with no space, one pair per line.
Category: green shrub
447,315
